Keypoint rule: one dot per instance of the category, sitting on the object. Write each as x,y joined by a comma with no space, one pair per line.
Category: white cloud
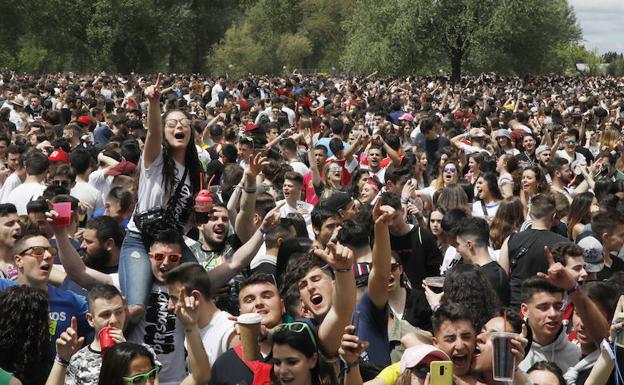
601,21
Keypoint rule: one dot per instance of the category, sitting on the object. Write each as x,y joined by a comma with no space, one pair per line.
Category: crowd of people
375,225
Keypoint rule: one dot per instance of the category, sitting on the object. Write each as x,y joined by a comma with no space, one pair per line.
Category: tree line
236,37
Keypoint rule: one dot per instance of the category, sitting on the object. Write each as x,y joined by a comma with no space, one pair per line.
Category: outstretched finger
157,85
74,323
549,257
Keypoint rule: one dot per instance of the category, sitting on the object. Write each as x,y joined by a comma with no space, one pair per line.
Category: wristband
61,361
353,365
347,270
240,185
250,190
572,290
263,230
404,200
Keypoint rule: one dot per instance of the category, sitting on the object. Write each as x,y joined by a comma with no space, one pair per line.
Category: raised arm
187,312
67,345
316,175
244,226
154,138
221,274
595,323
73,264
340,259
378,278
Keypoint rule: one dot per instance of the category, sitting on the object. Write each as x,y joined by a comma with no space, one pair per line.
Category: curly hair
468,285
24,334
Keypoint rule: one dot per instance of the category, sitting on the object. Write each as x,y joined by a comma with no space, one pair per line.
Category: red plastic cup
64,214
106,341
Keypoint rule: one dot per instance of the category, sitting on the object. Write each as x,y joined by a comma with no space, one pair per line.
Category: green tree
238,53
293,50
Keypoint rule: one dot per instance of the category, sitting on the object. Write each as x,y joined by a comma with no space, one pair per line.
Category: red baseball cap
59,156
84,119
250,127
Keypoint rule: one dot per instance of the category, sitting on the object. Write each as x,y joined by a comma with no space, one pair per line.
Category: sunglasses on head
173,257
297,327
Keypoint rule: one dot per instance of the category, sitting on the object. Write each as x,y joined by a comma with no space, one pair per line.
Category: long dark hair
490,179
191,160
116,362
24,334
580,211
322,373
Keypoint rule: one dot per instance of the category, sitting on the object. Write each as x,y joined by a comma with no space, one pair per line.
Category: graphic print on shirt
160,328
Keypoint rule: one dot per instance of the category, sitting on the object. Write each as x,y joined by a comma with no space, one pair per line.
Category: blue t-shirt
325,143
100,213
373,328
63,305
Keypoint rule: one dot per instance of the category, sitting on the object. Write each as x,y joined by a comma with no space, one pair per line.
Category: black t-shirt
499,280
419,254
417,310
229,369
607,272
527,249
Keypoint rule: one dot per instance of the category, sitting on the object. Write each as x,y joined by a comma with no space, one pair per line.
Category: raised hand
337,256
382,213
153,92
351,348
433,298
187,308
68,342
557,275
256,162
272,218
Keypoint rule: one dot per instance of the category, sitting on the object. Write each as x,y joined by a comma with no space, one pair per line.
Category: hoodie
561,351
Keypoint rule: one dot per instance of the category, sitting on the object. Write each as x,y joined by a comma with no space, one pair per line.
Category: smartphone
441,372
355,321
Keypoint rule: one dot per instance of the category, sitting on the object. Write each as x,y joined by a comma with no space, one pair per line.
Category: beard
98,259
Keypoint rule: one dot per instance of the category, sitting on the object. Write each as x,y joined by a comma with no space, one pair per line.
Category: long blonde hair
609,138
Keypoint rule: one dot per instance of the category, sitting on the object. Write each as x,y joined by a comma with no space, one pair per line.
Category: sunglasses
450,170
570,141
141,379
297,327
63,183
420,371
171,123
395,266
173,257
39,251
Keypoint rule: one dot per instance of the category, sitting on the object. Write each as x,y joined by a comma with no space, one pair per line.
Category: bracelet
61,361
346,270
572,290
351,366
404,200
240,185
263,230
249,190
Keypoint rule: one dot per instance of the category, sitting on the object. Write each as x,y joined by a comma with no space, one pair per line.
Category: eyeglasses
395,266
141,379
174,122
297,327
420,371
39,251
450,170
173,257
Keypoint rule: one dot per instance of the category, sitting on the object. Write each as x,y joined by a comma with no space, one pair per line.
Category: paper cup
249,329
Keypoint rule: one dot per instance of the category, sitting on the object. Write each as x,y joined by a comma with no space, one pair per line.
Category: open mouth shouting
179,135
316,299
460,360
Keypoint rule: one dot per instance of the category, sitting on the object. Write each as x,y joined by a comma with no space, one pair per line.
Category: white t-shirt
24,193
577,156
152,190
492,208
11,182
303,208
101,182
299,167
86,193
216,334
160,329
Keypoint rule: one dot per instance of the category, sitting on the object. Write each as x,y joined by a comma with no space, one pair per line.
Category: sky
601,21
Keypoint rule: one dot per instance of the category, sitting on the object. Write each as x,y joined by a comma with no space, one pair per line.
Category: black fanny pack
157,219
